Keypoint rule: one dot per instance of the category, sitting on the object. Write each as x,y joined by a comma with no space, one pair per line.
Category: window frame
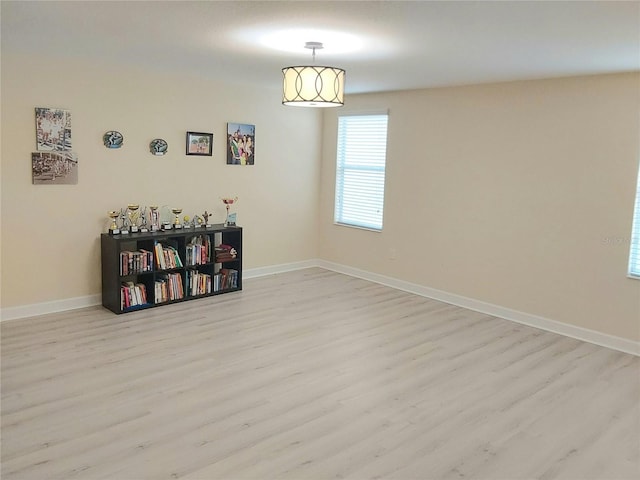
633,270
343,165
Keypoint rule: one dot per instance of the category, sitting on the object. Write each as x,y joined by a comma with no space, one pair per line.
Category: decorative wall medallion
112,139
158,146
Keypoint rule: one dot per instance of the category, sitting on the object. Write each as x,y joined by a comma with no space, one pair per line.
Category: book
167,257
132,263
199,250
169,287
132,295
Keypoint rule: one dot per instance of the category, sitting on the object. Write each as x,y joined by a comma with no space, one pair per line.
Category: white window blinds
634,255
360,172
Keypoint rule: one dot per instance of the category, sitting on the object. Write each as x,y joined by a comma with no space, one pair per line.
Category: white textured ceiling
402,45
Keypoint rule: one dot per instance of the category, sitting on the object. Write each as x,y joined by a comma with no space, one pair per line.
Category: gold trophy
132,213
228,201
155,218
176,222
113,228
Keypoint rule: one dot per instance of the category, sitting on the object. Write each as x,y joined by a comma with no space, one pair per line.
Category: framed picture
199,143
241,145
53,129
54,168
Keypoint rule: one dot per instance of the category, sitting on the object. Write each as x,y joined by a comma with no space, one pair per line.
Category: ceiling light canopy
313,85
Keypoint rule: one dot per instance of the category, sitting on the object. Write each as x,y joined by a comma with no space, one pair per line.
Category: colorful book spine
132,263
132,295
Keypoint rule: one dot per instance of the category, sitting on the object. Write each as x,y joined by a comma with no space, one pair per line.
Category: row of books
168,286
198,283
225,279
167,257
132,295
199,250
132,263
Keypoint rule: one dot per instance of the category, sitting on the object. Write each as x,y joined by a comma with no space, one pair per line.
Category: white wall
50,233
516,194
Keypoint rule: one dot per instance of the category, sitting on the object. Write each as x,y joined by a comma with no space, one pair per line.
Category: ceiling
383,45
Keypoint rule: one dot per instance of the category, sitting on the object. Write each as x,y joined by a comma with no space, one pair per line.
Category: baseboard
273,269
579,333
13,313
25,311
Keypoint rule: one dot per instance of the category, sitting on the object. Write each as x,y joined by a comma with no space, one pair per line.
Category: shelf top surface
215,228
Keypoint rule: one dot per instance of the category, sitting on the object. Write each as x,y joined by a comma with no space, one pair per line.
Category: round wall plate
112,139
158,146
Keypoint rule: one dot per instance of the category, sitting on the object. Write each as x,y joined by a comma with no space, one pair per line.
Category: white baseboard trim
25,311
579,333
13,313
283,267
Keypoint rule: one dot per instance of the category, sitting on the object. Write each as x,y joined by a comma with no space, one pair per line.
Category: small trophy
124,228
113,228
206,216
228,201
187,221
132,213
155,218
143,221
176,221
197,221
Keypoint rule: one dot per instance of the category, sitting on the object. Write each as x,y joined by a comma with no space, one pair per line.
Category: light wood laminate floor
311,375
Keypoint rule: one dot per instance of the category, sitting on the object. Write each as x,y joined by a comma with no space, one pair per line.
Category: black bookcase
195,263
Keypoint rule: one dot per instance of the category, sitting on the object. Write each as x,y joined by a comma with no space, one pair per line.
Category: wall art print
53,129
54,168
199,143
241,144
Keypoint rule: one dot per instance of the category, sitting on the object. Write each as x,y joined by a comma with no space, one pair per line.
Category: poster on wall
54,168
241,143
53,129
199,143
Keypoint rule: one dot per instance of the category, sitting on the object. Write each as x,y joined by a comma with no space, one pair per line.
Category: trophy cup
155,218
176,221
113,228
132,213
228,201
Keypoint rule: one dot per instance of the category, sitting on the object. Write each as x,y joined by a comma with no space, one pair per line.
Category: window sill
357,227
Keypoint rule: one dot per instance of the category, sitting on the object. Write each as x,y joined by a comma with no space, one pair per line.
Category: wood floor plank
311,375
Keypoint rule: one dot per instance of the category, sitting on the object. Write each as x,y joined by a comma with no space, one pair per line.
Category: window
634,255
361,159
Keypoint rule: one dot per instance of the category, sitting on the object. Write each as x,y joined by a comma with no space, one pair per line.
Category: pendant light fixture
313,85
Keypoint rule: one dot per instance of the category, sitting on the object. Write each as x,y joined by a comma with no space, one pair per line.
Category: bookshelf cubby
151,269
